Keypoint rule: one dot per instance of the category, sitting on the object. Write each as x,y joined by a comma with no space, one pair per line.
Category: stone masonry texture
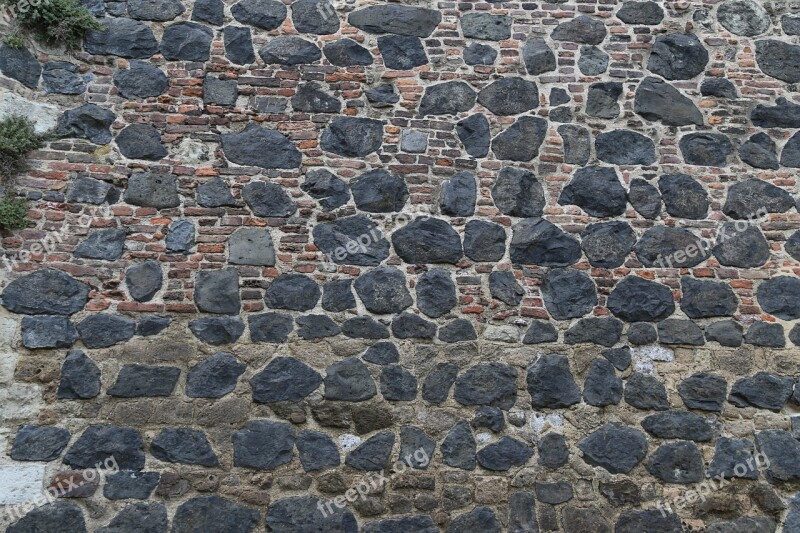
532,265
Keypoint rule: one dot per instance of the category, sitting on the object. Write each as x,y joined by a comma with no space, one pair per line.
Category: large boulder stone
779,59
101,443
217,330
596,190
397,19
217,291
140,80
680,425
448,98
317,17
783,452
582,29
743,17
482,25
88,121
39,443
743,249
284,379
568,293
302,513
484,241
56,516
183,446
493,384
377,191
521,140
677,56
144,280
251,246
347,53
684,197
614,447
295,292
45,292
263,14
19,64
658,100
762,390
354,240
536,241
330,190
706,149
427,240
747,199
436,293
121,37
671,247
551,384
260,147
577,144
383,290
352,136
214,377
402,52
729,453
504,454
289,50
509,96
706,298
80,377
263,445
153,189
187,41
267,199
625,147
784,114
607,244
677,462
197,513
518,193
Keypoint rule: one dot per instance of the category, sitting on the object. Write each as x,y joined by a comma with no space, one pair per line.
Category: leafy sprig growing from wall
17,138
56,22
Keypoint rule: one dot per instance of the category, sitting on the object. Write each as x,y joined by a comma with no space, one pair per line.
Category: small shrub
55,21
13,212
17,138
13,40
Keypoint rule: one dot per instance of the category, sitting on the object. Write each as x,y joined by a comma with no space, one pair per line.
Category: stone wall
523,266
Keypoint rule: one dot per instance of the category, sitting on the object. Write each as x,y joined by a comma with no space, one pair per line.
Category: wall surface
391,267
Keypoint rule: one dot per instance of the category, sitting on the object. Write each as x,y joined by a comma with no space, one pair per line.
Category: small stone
414,141
436,293
331,191
141,80
743,17
263,445
487,384
614,447
314,327
268,200
679,425
19,64
485,26
658,100
141,516
684,197
621,493
84,189
438,382
448,98
602,331
180,236
484,241
518,193
554,493
80,377
593,61
217,291
220,92
474,134
420,524
427,240
199,512
381,353
402,52
48,332
416,447
783,453
636,299
251,246
238,45
536,241
61,77
144,280
284,379
645,198
602,386
568,293
538,57
646,392
373,454
619,357
553,451
459,448
136,381
270,327
317,451
649,519
596,190
129,484
347,53
398,384
577,143
458,195
784,114
295,292
504,454
719,87
352,136
602,102
503,286
397,18
489,417
264,14
186,41
260,147
39,443
731,457
582,29
677,331
106,244
479,54
214,377
551,384
100,443
337,296
746,199
677,56
706,149
726,332
149,189
509,96
156,10
312,98
103,330
742,249
302,512
183,446
642,333
151,325
459,330
364,327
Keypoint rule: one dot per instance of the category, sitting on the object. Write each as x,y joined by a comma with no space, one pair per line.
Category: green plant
13,211
17,138
13,40
54,21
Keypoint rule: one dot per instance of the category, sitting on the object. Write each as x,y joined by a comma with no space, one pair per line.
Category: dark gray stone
136,381
354,240
317,17
677,56
743,17
314,327
251,246
536,241
538,57
596,190
331,191
559,96
509,96
352,136
743,249
263,445
784,114
416,447
180,236
284,379
238,45
317,451
489,417
553,451
481,25
378,191
602,386
458,195
503,286
200,512
106,244
763,390
337,296
607,244
88,121
728,454
418,524
302,513
398,19
373,454
458,330
719,87
646,392
56,516
39,443
679,425
790,156
487,384
791,246
84,189
540,332
602,102
427,240
641,13
582,29
217,291
155,10
657,100
268,200
635,299
381,353
479,54
780,296
220,92
129,484
648,520
473,132
144,280
616,448
577,143
260,147
437,384
448,98
551,384
677,462
211,11
347,53
402,52
312,98
217,330
80,377
684,197
102,330
484,241
603,331
141,80
349,380
706,149
479,519
671,247
783,452
621,493
642,333
152,189
183,446
678,331
19,64
620,357
521,140
382,96
151,325
410,326
703,390
48,332
765,334
146,517
121,37
554,493
747,199
398,384
644,198
364,327
270,327
517,192
568,293
459,448
214,377
264,14
186,41
504,454
383,290
726,332
436,293
61,77
102,443
593,61
295,292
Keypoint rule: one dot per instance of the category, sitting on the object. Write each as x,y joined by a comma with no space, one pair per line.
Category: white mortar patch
21,483
541,421
348,441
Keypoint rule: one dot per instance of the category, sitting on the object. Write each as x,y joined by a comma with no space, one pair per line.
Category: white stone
541,421
20,401
8,327
652,352
348,441
502,334
44,116
482,438
190,151
8,363
21,483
